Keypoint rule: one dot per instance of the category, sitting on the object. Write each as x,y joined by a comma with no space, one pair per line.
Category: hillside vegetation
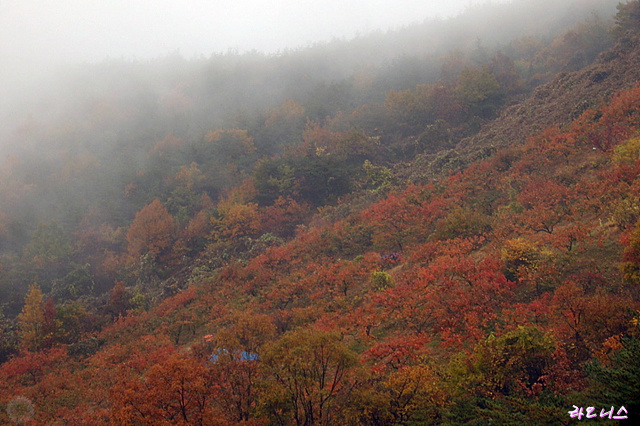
459,246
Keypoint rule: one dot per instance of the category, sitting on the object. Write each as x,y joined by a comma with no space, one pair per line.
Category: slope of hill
314,291
554,104
559,102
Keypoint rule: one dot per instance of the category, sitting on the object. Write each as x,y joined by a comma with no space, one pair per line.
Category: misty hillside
378,231
556,104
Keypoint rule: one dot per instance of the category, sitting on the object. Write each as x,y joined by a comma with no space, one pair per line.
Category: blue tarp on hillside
236,356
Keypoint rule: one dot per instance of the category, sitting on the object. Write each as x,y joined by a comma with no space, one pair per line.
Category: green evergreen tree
618,383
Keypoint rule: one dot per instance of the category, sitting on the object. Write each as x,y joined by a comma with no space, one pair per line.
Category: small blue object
241,356
392,257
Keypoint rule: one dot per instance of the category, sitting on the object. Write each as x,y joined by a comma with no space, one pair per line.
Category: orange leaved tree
151,232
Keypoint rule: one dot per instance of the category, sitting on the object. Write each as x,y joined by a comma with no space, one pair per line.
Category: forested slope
462,251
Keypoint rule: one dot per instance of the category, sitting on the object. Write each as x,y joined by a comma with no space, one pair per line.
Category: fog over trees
42,87
300,213
96,138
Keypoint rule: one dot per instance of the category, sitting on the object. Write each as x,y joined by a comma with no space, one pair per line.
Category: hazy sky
71,30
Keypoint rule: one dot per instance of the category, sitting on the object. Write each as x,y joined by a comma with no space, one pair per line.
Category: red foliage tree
152,231
176,391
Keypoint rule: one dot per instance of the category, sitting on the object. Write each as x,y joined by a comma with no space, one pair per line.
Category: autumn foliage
298,269
151,231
